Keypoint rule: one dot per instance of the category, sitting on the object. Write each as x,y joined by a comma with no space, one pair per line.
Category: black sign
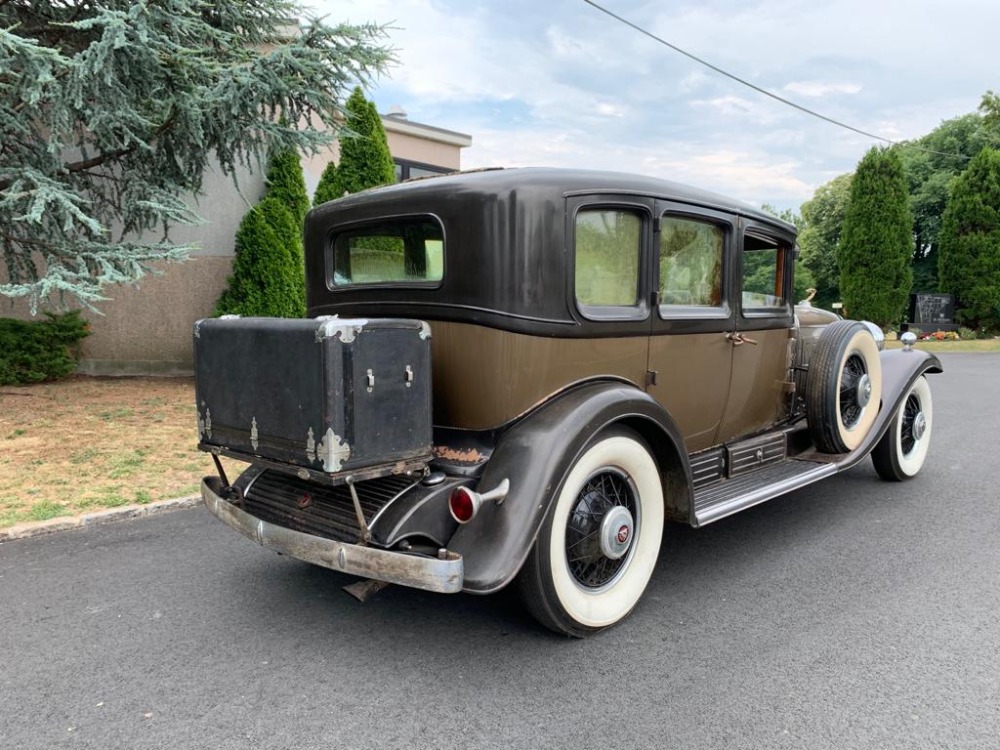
930,309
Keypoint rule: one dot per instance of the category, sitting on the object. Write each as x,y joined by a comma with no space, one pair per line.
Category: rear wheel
844,387
900,453
600,541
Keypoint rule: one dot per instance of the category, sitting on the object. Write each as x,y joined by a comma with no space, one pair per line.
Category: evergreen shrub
38,350
263,283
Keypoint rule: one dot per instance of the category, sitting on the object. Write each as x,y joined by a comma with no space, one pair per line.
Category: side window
763,274
690,262
607,257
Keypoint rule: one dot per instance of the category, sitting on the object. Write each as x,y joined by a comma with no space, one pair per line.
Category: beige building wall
146,329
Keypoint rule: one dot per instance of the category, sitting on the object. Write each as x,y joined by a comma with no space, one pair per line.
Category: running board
728,496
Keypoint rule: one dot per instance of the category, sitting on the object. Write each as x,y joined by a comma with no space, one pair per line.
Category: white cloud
559,83
819,88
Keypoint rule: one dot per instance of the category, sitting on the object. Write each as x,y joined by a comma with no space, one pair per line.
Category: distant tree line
922,216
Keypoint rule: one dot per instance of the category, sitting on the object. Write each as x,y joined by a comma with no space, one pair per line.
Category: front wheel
902,450
600,541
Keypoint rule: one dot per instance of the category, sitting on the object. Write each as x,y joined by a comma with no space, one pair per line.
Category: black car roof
568,182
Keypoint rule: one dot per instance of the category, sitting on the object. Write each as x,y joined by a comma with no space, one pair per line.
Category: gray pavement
854,614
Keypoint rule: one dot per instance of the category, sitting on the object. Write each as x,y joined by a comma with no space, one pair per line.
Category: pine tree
365,160
111,111
876,244
969,262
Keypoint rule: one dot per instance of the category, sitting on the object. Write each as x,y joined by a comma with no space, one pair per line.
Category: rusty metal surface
445,575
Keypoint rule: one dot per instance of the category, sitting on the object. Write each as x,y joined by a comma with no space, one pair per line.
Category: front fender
537,453
900,369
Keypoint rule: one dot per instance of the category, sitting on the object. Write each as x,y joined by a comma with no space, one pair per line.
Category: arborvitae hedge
286,183
33,351
269,269
328,185
264,280
876,244
969,262
289,235
365,160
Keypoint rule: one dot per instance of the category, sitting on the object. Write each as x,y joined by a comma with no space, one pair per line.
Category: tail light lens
463,505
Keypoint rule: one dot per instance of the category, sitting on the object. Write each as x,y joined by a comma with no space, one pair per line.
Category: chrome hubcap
919,426
864,390
617,529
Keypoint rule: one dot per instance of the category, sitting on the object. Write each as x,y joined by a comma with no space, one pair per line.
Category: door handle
738,339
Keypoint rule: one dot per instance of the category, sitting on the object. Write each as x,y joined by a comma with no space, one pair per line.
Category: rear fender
535,455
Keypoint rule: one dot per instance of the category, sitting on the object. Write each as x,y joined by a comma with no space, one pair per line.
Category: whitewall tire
900,453
843,387
600,541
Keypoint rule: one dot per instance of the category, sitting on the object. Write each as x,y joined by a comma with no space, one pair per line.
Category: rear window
397,251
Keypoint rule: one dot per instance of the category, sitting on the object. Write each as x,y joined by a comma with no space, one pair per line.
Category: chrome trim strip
445,576
762,494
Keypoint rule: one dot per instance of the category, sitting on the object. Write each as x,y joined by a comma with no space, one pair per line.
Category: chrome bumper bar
432,574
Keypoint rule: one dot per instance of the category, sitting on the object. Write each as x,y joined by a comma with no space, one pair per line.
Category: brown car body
573,311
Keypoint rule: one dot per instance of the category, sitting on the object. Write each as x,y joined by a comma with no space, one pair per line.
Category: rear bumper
445,576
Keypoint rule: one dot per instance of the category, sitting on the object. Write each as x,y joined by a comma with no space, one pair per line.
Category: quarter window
397,251
607,258
763,274
690,262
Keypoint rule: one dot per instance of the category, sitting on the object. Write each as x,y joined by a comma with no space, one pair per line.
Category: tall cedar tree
263,282
970,243
365,160
876,245
111,111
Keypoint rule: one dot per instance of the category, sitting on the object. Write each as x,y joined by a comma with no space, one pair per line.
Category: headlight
876,333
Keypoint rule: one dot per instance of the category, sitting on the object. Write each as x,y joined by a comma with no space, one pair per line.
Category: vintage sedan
517,377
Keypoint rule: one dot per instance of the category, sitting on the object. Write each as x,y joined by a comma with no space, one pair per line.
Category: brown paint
693,373
484,377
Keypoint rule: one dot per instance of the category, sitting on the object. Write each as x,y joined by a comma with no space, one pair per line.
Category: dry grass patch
87,444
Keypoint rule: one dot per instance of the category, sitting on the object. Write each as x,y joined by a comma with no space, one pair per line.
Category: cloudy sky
558,83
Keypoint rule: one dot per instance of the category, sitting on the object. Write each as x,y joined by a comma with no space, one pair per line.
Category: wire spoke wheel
853,381
591,563
900,453
601,538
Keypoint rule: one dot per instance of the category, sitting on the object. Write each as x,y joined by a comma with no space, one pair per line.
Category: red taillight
462,505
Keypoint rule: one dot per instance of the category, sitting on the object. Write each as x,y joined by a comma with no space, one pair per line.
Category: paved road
858,614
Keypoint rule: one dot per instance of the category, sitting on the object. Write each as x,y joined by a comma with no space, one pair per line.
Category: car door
690,356
608,287
760,392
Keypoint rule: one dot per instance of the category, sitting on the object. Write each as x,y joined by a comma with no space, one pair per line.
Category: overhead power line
758,89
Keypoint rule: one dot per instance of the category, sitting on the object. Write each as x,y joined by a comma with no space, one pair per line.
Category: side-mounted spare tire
843,387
